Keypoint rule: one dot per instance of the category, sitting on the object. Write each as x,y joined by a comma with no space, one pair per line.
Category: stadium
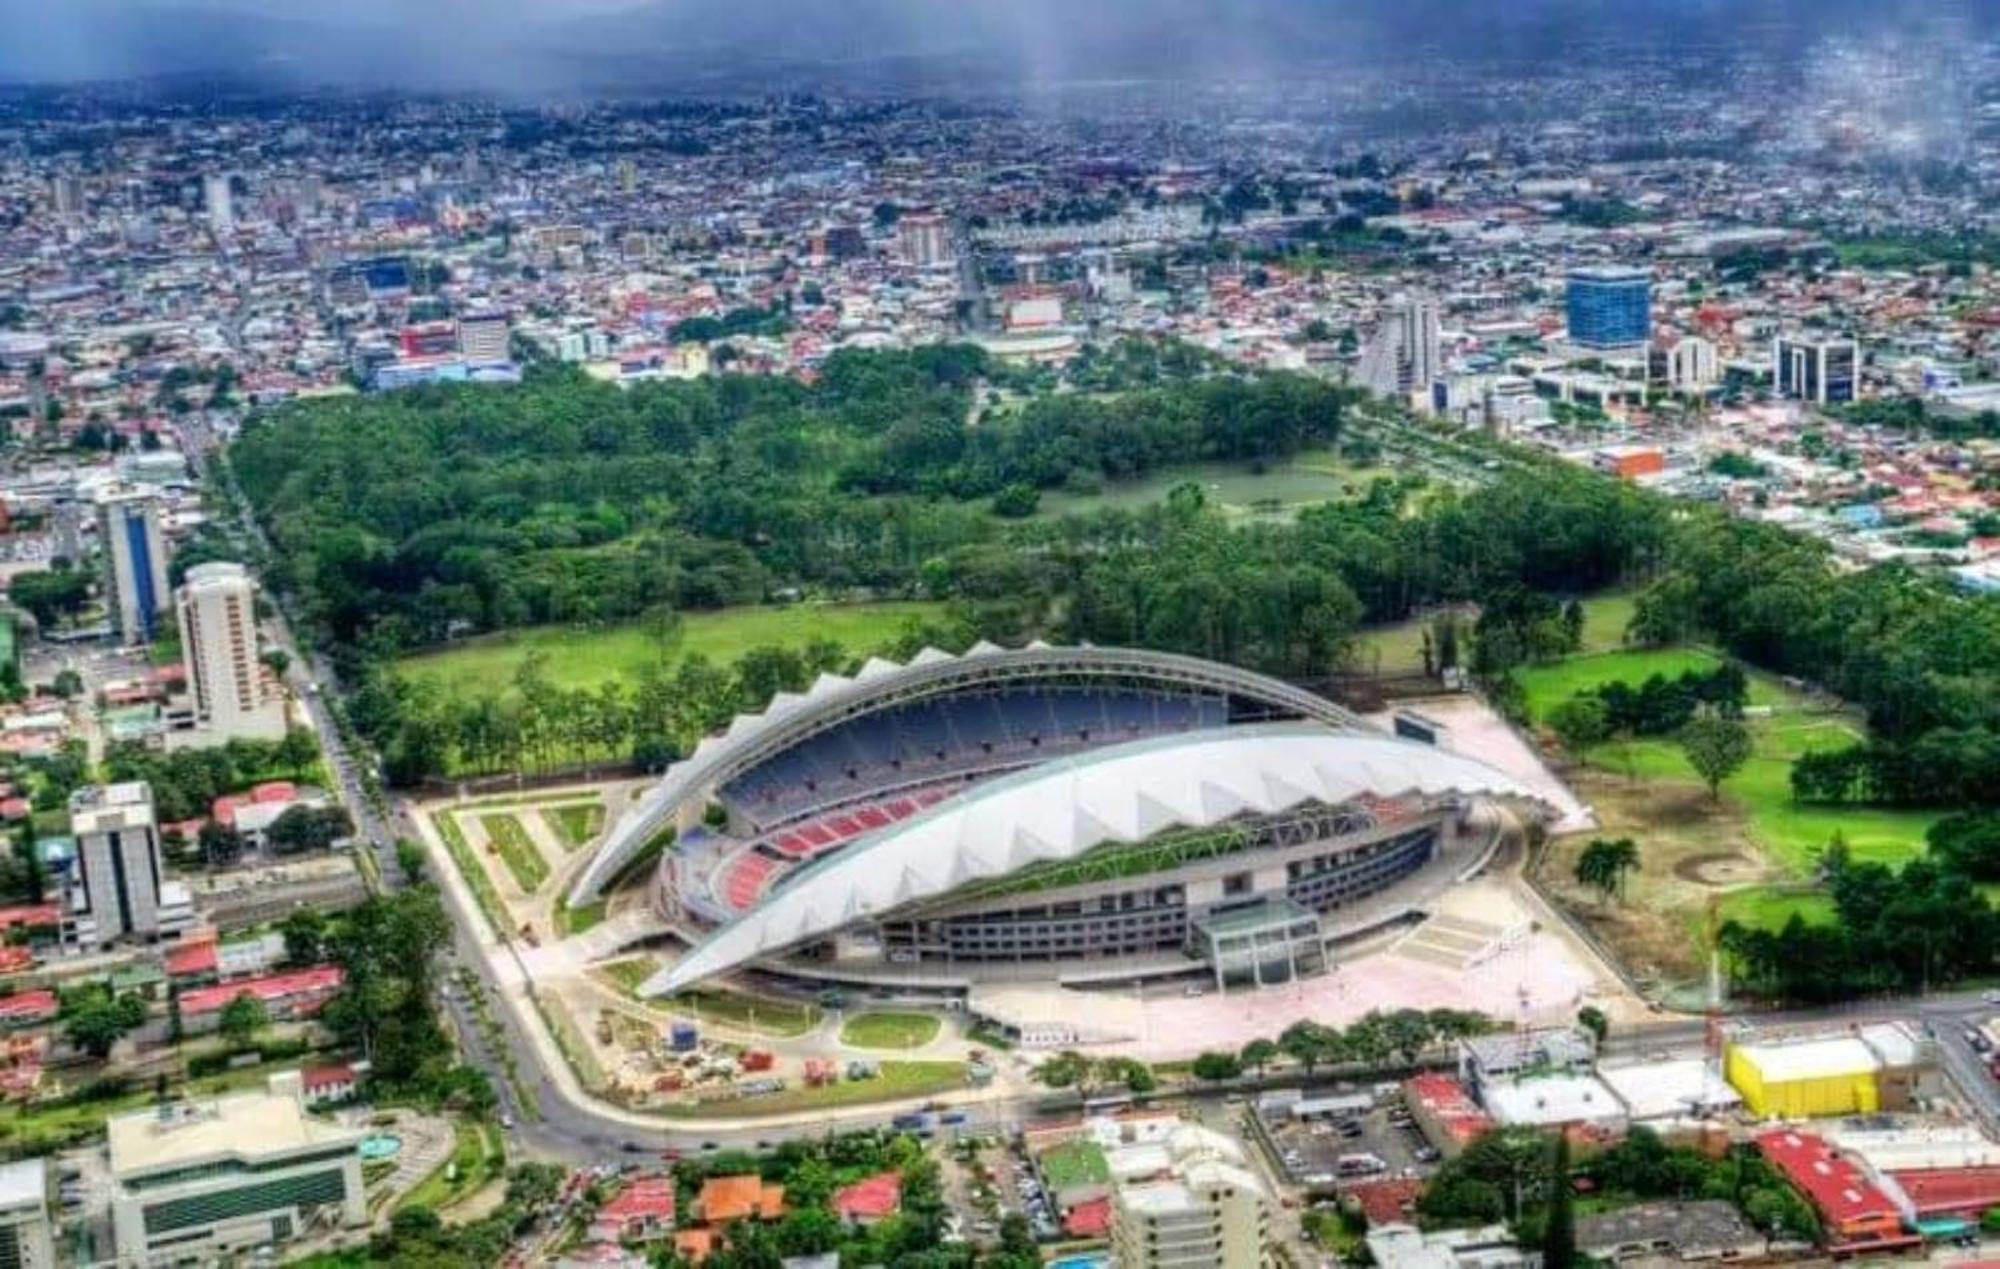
1081,814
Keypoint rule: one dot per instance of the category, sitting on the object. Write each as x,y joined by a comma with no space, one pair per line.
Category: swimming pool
380,1145
1081,1262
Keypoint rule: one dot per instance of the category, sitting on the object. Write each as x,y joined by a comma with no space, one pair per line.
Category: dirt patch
1690,851
1720,871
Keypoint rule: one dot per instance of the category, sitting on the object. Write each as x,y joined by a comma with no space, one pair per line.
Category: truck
757,1059
683,1037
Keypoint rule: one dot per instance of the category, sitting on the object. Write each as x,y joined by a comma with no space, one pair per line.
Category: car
709,1145
1991,997
631,1147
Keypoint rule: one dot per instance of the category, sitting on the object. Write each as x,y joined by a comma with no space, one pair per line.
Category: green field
896,1081
1305,480
1768,908
1078,1163
1791,832
579,657
576,824
889,1030
784,1018
520,854
1398,648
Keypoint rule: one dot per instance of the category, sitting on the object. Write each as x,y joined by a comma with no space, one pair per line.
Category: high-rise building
1405,356
217,608
924,239
218,202
485,336
129,525
1200,1206
1822,371
66,193
198,1181
1692,365
117,887
1610,307
26,1239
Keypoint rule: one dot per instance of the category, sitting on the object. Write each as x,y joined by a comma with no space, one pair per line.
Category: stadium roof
1065,807
793,717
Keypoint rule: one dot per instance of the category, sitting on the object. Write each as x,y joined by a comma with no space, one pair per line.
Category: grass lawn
1550,685
1077,1163
576,824
1768,908
474,873
897,1081
1305,480
784,1018
576,920
1398,648
889,1030
579,657
520,854
477,1155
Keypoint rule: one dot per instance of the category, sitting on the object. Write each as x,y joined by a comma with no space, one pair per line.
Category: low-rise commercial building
192,1181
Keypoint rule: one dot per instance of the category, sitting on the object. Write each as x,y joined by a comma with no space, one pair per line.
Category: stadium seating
960,733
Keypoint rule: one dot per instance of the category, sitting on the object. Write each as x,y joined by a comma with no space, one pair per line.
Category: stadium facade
1081,814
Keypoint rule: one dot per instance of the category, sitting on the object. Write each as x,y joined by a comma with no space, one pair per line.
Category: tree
67,684
1559,1229
1258,1054
1593,1020
533,1186
1602,864
1067,1069
95,1020
410,858
297,751
277,660
303,828
1217,1066
242,1018
304,932
1580,723
220,844
1716,747
1309,1043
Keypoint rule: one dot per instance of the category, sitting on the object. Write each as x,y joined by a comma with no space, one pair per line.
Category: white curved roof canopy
1060,810
792,717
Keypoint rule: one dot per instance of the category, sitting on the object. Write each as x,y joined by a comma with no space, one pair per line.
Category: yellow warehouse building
1851,1074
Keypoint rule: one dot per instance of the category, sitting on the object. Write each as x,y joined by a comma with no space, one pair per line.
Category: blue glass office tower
1610,307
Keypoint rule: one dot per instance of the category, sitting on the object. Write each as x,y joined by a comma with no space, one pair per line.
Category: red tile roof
29,914
1386,1202
333,1075
1951,1191
1090,1219
1835,1186
871,1198
646,1199
270,989
28,1006
191,958
1446,1100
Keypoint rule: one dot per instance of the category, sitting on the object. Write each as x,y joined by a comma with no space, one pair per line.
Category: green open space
770,1016
522,857
473,871
1792,833
1398,648
1769,907
1304,480
575,824
477,1156
894,1081
576,920
1075,1163
588,656
889,1030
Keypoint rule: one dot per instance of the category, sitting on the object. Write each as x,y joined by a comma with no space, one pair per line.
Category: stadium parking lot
1344,1148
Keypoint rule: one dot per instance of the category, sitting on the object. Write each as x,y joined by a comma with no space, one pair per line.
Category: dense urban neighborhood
1286,633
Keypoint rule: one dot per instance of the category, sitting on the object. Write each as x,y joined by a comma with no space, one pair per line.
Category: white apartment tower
129,527
27,1240
117,887
1693,364
1194,1205
217,606
1406,356
218,202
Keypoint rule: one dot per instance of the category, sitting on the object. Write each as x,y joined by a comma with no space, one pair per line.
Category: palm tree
1603,864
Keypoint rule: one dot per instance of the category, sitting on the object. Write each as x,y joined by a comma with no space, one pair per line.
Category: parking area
1345,1137
986,1179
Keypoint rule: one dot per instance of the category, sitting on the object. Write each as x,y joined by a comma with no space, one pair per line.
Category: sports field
585,657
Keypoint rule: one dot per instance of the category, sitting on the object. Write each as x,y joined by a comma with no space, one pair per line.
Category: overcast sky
534,47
